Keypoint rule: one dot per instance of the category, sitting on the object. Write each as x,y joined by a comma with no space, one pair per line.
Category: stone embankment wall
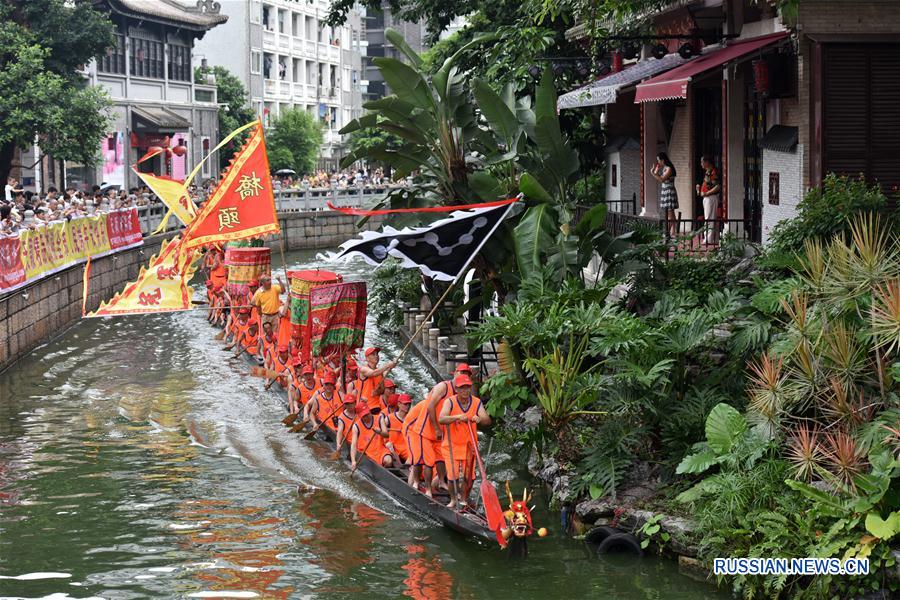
36,314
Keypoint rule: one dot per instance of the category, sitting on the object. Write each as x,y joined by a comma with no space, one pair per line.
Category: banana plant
436,121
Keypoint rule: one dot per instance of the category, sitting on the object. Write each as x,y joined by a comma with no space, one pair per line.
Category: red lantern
179,150
761,76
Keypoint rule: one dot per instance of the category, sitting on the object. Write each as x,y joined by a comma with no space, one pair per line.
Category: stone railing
313,199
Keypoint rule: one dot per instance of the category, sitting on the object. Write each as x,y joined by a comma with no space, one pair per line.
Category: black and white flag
441,250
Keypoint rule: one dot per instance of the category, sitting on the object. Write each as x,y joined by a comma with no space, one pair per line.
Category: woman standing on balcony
664,172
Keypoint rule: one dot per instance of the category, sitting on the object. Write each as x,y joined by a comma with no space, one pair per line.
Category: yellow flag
173,194
160,287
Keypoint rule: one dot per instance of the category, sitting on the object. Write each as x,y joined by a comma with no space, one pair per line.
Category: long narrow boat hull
393,483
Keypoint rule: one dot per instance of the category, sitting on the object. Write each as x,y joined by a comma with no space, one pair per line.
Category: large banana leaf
532,188
533,236
405,81
500,117
397,40
485,185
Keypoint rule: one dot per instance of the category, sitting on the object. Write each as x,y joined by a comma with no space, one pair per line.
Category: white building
288,57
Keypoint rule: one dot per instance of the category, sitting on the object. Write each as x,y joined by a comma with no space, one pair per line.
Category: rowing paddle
289,420
493,512
220,336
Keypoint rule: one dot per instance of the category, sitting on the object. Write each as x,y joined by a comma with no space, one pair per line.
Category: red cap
297,362
244,311
209,283
461,380
362,408
372,350
283,348
352,367
254,283
350,398
389,384
463,368
393,400
404,399
328,378
308,370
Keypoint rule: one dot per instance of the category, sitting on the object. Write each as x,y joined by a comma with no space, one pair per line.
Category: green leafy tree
236,111
44,43
370,138
293,141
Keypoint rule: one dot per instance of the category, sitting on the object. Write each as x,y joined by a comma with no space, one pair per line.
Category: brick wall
682,157
789,166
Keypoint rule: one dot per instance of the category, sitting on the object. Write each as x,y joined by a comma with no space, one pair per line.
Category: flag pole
452,285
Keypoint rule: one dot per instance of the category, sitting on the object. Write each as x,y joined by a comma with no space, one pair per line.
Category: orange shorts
428,452
461,463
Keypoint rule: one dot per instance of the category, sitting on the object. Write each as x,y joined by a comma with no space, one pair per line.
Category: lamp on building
603,117
559,69
659,51
582,68
687,50
534,71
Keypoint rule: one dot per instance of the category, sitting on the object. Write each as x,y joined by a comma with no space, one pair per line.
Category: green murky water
138,461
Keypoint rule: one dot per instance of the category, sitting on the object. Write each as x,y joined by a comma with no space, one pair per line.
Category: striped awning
606,89
674,84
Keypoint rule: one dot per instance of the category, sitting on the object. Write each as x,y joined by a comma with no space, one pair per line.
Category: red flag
242,206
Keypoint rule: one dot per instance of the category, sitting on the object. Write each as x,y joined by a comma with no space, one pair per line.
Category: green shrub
826,211
591,189
392,285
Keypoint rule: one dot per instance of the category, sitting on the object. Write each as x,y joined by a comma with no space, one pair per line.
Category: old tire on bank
622,543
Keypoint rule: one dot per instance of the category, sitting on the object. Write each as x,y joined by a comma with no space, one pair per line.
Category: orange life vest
367,390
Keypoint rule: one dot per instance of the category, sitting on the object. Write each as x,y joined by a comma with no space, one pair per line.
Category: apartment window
266,17
268,66
255,11
179,62
114,59
205,172
255,62
281,21
147,55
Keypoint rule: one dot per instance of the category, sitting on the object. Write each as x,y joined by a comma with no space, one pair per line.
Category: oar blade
493,511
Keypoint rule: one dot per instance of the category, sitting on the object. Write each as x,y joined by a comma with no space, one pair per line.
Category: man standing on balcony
709,191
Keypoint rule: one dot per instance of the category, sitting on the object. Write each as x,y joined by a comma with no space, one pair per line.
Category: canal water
137,460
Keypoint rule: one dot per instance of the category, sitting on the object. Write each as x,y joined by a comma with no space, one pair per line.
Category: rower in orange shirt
369,435
346,418
461,414
397,407
280,364
307,386
324,404
371,376
414,446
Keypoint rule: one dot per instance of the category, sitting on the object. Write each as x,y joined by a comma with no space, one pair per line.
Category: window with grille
114,59
147,58
179,62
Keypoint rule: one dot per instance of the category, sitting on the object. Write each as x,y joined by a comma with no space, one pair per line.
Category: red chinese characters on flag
242,206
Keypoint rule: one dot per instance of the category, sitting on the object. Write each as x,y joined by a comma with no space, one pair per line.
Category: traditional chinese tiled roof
202,14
